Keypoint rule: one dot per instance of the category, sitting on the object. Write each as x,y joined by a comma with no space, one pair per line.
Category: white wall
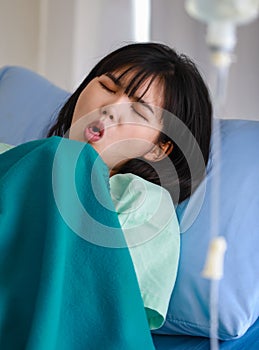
75,35
56,37
99,27
63,39
19,20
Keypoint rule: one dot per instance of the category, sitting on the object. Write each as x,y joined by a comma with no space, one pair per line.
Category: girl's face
118,127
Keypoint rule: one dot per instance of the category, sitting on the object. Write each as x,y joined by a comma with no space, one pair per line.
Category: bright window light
141,17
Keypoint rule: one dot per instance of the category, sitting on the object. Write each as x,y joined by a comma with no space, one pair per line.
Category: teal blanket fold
66,277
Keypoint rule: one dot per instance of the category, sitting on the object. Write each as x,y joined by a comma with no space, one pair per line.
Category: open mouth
94,132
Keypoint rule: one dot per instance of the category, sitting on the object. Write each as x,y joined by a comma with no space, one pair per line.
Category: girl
147,112
157,100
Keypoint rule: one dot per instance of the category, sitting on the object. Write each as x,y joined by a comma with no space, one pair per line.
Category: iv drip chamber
222,17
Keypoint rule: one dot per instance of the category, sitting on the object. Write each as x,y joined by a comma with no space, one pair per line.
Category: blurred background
63,39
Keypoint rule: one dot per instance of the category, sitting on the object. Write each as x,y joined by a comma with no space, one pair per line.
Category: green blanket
66,278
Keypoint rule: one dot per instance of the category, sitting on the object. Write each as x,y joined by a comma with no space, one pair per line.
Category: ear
159,152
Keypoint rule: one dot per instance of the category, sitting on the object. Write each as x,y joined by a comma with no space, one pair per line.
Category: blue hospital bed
19,94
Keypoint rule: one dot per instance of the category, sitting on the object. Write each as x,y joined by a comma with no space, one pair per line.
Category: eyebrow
137,99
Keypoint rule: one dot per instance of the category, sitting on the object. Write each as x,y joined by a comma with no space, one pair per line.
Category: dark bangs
143,60
140,76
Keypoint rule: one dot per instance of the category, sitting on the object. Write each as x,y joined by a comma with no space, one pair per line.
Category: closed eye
138,113
105,87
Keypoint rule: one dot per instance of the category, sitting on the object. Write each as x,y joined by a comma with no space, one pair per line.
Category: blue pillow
238,222
29,105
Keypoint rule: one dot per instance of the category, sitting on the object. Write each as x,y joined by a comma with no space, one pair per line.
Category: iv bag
236,11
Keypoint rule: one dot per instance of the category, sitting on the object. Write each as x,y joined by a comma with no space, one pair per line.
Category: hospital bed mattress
249,341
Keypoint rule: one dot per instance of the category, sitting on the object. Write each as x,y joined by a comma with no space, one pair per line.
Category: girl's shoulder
4,147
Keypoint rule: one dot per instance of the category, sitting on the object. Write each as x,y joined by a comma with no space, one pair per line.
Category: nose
115,112
108,112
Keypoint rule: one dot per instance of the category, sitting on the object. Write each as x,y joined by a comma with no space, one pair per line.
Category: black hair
186,97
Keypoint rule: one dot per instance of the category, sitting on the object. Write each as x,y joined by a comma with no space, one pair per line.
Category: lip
94,131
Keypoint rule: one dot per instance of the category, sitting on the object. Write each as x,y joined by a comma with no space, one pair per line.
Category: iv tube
221,17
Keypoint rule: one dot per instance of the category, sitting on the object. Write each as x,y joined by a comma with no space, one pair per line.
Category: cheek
81,109
136,140
145,133
86,104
